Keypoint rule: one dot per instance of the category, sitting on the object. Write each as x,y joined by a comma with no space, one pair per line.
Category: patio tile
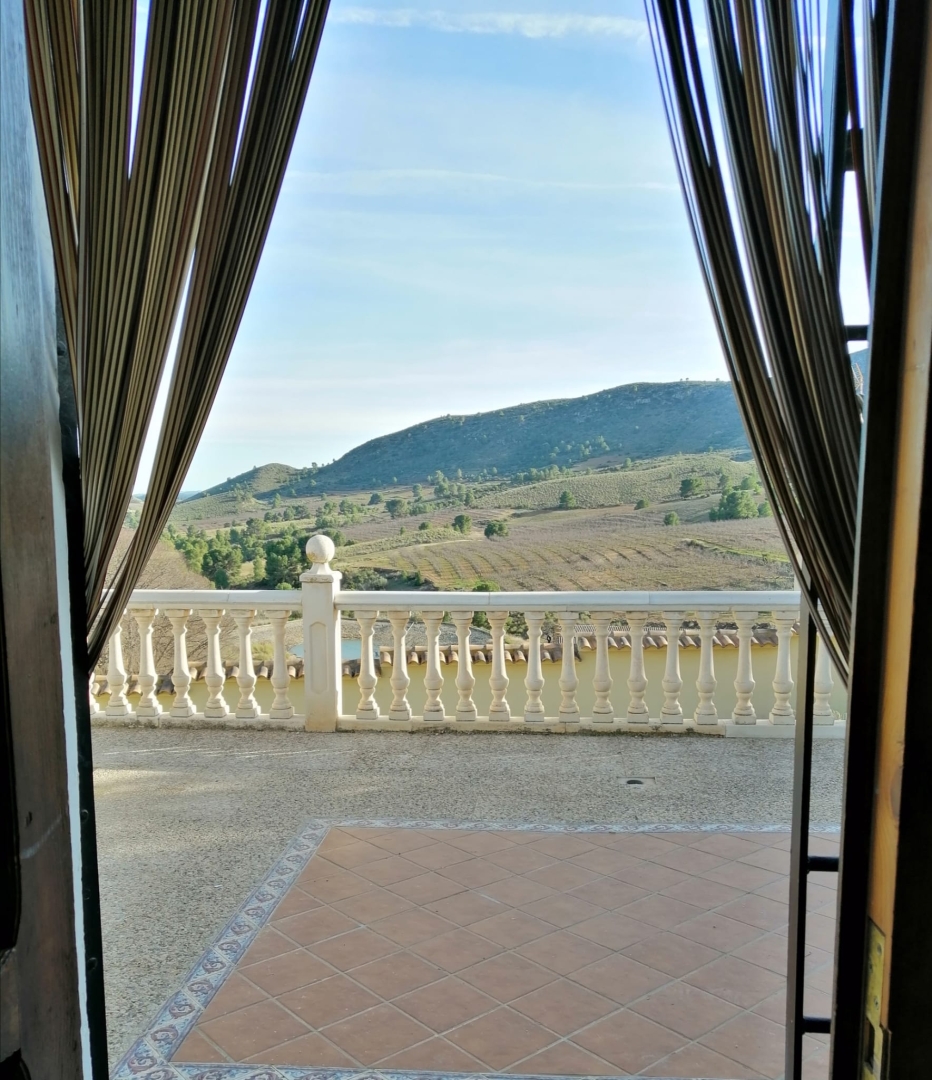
737,981
369,907
671,954
643,845
465,907
605,861
685,1009
316,925
388,871
726,845
519,837
614,930
756,911
457,949
659,910
507,977
608,893
197,1048
620,978
702,893
328,1001
520,860
562,876
357,854
435,856
330,883
435,1055
564,1059
235,993
651,876
372,1036
446,1004
716,930
294,903
742,876
501,1038
474,873
689,859
630,1041
511,928
563,909
400,973
268,942
564,1007
427,887
310,1049
769,951
696,1060
254,1029
482,843
751,1040
354,949
562,846
517,891
411,926
769,859
286,972
563,952
398,841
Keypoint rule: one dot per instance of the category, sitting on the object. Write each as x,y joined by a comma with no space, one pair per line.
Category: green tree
763,509
690,485
424,526
673,518
733,505
567,500
462,523
417,491
642,504
397,508
375,498
496,528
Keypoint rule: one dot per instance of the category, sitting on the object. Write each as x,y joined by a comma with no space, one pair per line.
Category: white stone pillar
822,684
400,707
433,679
116,676
182,707
281,709
569,681
148,707
637,678
782,711
706,713
744,682
499,709
247,707
671,711
216,707
367,709
323,671
602,710
534,680
465,680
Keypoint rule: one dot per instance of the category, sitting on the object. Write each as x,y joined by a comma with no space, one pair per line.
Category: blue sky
481,209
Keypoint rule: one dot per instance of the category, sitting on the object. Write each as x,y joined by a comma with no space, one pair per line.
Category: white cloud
524,24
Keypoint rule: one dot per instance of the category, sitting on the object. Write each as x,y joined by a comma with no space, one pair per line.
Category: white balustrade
216,707
182,707
148,707
247,708
367,709
706,712
281,709
401,709
672,711
602,711
637,677
498,710
822,684
433,679
534,680
465,680
744,682
569,683
118,705
782,711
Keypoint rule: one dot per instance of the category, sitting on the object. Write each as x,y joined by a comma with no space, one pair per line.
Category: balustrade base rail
589,621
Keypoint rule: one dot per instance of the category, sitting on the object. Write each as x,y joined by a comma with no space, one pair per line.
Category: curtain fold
165,222
763,234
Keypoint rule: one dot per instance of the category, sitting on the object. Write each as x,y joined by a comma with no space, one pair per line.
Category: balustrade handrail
417,600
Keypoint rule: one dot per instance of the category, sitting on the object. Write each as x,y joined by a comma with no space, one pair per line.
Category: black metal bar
829,863
799,848
856,332
817,1025
834,121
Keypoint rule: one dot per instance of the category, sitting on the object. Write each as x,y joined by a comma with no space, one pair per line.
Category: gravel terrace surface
188,822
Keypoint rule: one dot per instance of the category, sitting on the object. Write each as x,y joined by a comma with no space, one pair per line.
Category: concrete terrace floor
189,822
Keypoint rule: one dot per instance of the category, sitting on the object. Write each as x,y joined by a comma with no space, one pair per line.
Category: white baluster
216,707
91,697
465,681
569,683
822,684
744,682
534,680
400,708
367,709
148,707
671,711
706,713
433,680
281,709
499,709
637,678
248,707
602,710
182,707
116,676
782,711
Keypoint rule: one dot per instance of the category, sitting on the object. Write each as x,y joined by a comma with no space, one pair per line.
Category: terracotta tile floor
526,952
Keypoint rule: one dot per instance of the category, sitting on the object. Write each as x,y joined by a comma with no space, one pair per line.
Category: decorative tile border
149,1057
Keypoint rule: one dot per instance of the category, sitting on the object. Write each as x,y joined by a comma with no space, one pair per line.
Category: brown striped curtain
170,227
766,247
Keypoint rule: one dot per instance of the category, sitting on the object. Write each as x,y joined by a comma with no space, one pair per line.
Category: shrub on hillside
691,485
375,498
673,518
734,505
567,500
462,523
642,504
496,528
763,510
397,508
